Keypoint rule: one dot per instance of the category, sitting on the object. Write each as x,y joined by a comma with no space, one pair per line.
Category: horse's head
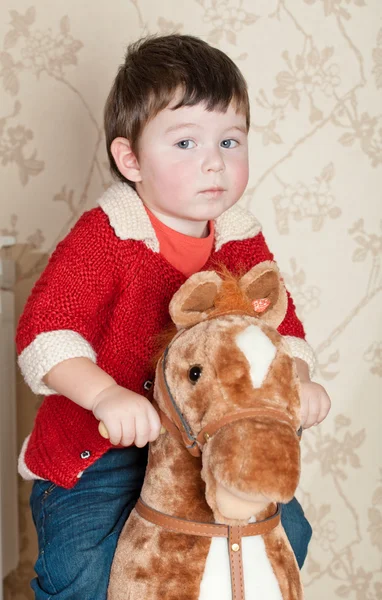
228,382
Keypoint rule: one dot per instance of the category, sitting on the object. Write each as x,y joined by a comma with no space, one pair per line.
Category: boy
176,123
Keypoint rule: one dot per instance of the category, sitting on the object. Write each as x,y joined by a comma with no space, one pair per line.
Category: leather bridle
177,424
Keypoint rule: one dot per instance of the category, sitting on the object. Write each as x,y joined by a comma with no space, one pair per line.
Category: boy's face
193,163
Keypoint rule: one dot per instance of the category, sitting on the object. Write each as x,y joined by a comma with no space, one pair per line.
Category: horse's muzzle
255,456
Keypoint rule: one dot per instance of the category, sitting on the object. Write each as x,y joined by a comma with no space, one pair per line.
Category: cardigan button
148,385
86,454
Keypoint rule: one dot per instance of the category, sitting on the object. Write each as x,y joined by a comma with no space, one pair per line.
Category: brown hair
154,68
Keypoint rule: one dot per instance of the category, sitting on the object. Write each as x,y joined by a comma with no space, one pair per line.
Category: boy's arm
293,331
128,417
302,369
78,379
61,318
57,333
315,402
291,327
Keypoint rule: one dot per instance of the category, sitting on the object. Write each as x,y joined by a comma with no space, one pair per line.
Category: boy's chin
213,210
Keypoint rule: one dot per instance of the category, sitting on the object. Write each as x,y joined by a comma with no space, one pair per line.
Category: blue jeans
78,528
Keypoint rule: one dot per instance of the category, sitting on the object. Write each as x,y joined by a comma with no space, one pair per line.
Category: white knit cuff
48,350
23,470
301,349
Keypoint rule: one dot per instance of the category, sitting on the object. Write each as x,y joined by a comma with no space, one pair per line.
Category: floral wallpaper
314,69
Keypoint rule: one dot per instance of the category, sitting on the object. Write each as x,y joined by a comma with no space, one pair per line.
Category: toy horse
207,525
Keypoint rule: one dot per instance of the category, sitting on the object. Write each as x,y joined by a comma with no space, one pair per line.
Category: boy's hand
128,417
315,403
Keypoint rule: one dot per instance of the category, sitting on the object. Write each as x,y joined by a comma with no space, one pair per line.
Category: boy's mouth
213,191
214,188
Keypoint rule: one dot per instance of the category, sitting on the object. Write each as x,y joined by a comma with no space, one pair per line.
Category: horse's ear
195,299
264,287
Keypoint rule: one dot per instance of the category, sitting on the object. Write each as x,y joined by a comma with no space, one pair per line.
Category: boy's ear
125,159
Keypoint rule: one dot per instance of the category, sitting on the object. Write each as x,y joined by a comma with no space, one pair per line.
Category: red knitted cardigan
115,294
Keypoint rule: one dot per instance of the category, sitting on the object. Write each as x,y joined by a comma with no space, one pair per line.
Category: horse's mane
161,341
230,297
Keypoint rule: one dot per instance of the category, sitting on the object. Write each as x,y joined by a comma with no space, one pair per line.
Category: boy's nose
213,162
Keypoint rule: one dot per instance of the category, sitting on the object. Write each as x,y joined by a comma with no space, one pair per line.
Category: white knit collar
130,221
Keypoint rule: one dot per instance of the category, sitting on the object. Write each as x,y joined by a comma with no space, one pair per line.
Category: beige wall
314,69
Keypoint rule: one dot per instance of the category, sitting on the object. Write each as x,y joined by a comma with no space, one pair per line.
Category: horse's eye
194,373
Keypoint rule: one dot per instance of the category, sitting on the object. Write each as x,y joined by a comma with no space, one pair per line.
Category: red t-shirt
184,252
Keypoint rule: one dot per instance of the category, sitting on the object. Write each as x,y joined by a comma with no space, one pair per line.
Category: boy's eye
186,144
229,144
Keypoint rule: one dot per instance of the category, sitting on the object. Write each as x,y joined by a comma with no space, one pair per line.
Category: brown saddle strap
233,533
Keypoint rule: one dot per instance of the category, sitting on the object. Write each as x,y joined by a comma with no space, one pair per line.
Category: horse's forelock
229,298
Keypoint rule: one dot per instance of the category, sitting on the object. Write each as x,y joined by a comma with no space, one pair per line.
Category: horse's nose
256,455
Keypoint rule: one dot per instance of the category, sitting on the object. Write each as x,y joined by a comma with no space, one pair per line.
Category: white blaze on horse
207,526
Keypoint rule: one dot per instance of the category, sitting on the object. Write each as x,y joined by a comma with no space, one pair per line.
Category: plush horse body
207,525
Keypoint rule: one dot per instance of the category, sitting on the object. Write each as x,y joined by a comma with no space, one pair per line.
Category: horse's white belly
259,579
